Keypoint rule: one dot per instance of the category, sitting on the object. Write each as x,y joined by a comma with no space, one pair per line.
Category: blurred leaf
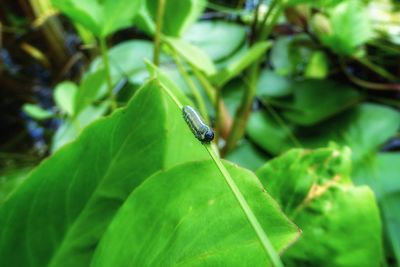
178,15
364,129
271,84
73,126
350,28
92,87
10,179
166,80
317,100
76,192
381,172
87,13
316,3
318,67
36,112
289,56
314,188
64,96
247,156
193,55
218,39
127,59
234,68
264,131
190,213
102,18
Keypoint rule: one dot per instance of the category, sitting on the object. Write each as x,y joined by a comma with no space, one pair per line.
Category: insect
202,131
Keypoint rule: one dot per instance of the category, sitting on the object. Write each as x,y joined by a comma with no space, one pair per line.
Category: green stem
255,224
243,112
157,36
104,54
193,88
223,119
262,236
208,87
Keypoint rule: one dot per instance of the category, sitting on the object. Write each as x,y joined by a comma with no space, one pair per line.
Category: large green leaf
102,18
178,15
60,212
340,222
191,218
219,39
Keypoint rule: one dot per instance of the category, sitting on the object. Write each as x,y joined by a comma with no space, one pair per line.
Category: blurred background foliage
325,71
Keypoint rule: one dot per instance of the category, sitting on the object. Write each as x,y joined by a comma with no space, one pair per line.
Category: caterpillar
201,131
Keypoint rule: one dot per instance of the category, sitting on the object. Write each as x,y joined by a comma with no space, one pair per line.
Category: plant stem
157,36
223,119
193,88
262,236
243,112
106,62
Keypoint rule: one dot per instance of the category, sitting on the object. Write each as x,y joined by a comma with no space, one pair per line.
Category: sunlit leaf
193,55
234,68
314,188
219,39
102,18
178,15
64,96
75,193
36,112
192,219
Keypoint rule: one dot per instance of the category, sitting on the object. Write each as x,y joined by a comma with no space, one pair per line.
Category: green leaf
102,18
64,96
318,67
317,100
36,112
289,55
271,84
10,179
248,156
178,15
87,13
364,129
73,126
127,60
314,188
350,28
192,219
93,87
118,14
166,80
192,54
234,68
264,131
218,39
381,172
58,215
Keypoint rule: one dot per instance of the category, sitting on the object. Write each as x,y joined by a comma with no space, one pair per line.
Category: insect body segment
201,130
